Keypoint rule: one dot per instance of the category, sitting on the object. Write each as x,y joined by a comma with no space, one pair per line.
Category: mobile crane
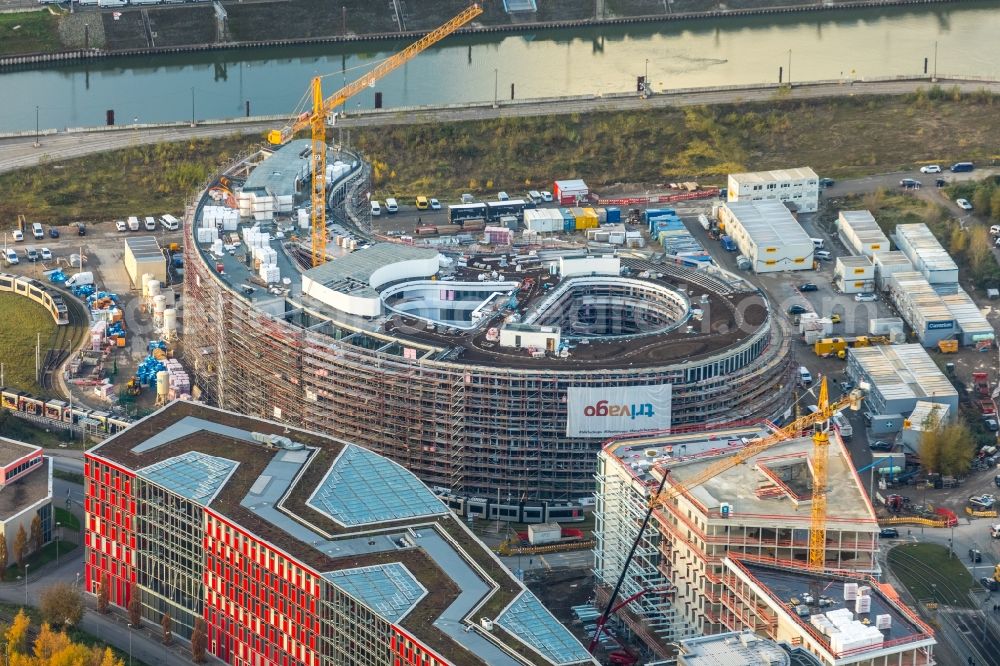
818,420
324,109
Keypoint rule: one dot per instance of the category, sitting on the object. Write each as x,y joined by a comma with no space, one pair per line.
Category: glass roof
196,476
528,619
388,589
363,488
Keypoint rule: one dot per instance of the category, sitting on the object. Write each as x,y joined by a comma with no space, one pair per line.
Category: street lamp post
37,142
26,583
496,85
58,534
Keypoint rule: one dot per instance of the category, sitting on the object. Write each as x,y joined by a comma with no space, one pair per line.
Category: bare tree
103,595
20,546
134,609
61,604
199,641
166,623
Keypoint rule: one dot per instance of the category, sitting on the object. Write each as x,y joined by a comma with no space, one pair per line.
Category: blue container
614,215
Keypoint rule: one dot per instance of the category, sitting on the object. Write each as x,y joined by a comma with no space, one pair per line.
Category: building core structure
295,548
760,509
490,373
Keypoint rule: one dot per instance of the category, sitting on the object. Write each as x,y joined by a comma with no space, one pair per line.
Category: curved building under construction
494,376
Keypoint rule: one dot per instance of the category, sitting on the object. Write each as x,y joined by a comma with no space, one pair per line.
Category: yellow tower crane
322,108
819,421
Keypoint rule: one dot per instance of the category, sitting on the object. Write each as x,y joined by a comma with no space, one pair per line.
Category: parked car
17,235
546,196
931,168
989,584
940,182
149,223
503,196
964,204
797,309
81,229
826,182
823,255
880,445
888,533
909,184
53,232
435,204
11,256
422,203
46,254
866,297
31,254
808,286
975,556
120,225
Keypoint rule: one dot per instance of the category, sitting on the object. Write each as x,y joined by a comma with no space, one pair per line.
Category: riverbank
643,147
88,35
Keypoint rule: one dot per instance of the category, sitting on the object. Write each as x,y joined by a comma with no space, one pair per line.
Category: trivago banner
608,411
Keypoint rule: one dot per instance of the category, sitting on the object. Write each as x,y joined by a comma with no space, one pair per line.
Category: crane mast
316,119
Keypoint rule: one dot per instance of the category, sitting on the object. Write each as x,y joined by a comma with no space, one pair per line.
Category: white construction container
888,263
861,234
544,533
854,275
768,235
798,186
922,308
973,326
926,254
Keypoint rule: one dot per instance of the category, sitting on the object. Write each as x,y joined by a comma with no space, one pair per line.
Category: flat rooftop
775,484
732,649
781,584
11,451
901,372
276,175
144,248
343,511
352,273
777,175
29,489
768,222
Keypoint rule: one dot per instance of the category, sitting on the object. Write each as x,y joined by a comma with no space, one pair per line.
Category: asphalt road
20,152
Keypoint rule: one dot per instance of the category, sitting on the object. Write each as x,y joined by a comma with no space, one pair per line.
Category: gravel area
73,30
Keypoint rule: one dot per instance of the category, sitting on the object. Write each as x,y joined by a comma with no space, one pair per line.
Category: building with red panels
297,548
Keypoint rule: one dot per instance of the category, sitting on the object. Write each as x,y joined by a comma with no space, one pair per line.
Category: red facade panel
259,603
408,651
108,525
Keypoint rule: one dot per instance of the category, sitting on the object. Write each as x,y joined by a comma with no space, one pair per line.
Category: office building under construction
493,374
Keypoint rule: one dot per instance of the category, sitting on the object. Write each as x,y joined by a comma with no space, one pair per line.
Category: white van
133,223
845,427
11,256
150,224
818,243
376,209
805,378
170,223
995,531
391,206
823,255
37,231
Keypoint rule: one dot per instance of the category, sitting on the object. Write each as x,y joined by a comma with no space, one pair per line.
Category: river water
818,45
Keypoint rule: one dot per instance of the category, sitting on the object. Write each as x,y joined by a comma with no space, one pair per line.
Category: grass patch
22,321
70,477
929,572
29,32
140,180
856,136
68,520
39,559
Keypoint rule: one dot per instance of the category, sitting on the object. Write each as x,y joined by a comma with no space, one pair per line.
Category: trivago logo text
602,408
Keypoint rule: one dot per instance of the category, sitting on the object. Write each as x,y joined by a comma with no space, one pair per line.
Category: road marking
547,565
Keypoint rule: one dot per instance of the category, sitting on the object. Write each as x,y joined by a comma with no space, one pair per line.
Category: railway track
64,342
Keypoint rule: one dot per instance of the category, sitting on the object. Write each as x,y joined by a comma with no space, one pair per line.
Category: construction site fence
981,514
914,520
505,549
